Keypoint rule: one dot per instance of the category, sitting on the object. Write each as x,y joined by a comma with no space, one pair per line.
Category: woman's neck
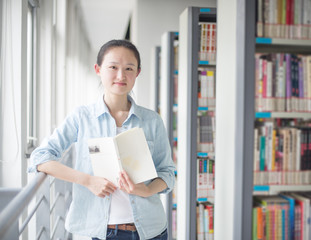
117,103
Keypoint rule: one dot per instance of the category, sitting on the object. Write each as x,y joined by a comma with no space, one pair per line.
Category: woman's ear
97,69
138,72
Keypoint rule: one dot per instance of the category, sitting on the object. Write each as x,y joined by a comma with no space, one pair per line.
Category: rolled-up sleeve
163,157
53,146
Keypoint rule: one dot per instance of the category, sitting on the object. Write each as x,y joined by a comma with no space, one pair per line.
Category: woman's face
118,71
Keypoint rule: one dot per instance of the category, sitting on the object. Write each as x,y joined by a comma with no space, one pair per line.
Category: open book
127,151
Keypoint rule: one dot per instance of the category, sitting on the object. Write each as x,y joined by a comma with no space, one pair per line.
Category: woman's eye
113,67
129,69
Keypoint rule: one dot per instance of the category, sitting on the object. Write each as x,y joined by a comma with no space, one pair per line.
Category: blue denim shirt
88,214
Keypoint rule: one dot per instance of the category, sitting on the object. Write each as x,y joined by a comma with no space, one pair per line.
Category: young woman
100,209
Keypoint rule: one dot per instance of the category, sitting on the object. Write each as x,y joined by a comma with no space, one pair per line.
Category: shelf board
205,154
205,10
206,108
284,42
207,63
276,189
282,115
294,46
200,200
175,108
202,154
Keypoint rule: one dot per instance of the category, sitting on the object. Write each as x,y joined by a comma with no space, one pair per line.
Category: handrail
13,210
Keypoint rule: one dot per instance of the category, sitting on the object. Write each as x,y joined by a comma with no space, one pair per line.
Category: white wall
149,21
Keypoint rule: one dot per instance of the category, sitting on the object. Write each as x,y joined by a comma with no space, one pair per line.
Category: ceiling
106,19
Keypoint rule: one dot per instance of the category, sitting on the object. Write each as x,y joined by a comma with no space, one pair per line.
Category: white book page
104,158
135,155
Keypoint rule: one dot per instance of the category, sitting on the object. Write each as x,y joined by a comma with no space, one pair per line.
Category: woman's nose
121,74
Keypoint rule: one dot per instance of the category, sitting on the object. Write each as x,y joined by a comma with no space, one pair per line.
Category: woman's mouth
120,83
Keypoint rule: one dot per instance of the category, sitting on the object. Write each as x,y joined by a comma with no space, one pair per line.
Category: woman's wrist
84,180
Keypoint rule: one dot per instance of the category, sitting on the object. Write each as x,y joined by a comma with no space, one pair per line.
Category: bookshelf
285,166
155,77
168,106
189,38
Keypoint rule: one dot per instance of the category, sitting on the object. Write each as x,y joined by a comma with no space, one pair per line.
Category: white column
234,120
14,93
60,61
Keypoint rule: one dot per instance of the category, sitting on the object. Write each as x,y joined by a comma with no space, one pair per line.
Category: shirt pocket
151,146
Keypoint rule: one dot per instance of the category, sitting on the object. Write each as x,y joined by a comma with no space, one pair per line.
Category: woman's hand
100,186
127,185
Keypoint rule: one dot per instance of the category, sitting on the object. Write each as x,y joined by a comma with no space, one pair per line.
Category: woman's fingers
101,187
109,189
122,182
125,182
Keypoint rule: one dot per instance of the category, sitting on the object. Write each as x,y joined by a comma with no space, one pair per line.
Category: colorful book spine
282,155
283,83
283,19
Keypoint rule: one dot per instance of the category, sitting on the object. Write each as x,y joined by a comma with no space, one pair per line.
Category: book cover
127,151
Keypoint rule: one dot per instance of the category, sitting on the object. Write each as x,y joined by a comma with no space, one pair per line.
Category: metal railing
52,198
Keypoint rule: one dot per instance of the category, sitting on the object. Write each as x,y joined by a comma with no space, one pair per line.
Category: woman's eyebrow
131,64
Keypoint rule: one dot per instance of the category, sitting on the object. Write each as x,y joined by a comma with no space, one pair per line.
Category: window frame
32,30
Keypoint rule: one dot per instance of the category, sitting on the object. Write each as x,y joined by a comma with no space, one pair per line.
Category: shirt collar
101,107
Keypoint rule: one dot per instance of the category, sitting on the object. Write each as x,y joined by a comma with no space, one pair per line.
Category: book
291,219
281,154
304,203
127,151
283,19
272,217
200,221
